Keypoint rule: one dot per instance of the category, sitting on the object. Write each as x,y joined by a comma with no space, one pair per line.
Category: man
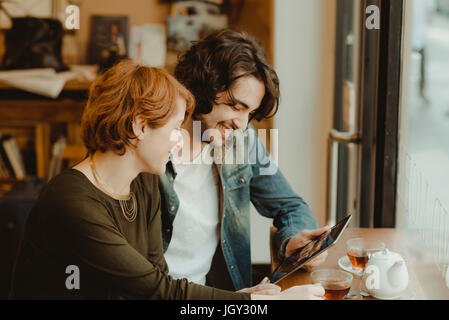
206,206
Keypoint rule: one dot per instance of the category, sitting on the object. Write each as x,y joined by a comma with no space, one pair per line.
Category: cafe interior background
362,127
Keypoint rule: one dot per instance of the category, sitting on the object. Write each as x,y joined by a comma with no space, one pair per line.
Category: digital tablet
317,246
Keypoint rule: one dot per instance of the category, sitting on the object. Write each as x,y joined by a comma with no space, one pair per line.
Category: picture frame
109,38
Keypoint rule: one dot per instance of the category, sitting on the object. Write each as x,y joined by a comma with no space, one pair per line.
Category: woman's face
156,145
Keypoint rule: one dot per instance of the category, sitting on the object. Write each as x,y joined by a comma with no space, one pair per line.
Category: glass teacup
336,283
359,251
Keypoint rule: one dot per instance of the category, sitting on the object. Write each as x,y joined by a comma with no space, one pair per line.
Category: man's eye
234,107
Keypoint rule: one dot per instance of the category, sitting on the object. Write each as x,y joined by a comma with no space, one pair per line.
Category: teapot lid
386,254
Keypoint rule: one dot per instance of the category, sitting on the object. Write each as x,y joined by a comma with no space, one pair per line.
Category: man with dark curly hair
206,204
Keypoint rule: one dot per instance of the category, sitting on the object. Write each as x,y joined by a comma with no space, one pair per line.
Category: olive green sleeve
89,234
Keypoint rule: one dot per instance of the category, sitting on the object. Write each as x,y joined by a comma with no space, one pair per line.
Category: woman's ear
139,127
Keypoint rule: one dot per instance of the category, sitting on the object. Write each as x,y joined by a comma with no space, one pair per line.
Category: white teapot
386,275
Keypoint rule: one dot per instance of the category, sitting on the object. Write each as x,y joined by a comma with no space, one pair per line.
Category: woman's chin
158,170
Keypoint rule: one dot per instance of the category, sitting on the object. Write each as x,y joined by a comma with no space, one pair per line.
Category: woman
95,231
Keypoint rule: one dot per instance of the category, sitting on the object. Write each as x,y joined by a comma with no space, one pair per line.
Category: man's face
225,117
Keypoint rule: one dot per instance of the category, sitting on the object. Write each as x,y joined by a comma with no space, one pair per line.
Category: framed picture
108,39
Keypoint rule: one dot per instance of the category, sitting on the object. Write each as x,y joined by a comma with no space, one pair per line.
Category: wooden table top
393,240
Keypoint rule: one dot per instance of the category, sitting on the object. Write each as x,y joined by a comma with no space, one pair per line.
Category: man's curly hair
212,65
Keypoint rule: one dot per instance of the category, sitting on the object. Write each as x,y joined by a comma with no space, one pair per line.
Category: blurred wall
304,60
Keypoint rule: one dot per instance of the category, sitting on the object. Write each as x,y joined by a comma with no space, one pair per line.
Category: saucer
346,265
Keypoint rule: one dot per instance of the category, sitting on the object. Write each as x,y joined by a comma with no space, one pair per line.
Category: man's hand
264,287
303,238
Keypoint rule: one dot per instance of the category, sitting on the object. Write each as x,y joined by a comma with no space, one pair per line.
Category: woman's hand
304,292
263,288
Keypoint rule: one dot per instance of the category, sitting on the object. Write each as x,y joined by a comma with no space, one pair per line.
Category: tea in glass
359,251
336,283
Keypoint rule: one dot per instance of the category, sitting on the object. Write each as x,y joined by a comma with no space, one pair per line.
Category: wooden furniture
394,240
20,108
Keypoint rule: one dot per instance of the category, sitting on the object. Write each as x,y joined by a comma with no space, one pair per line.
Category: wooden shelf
19,108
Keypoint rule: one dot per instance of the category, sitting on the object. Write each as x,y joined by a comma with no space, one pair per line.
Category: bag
34,43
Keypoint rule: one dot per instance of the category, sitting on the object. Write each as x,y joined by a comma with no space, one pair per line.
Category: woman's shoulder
68,203
70,182
148,181
149,186
70,189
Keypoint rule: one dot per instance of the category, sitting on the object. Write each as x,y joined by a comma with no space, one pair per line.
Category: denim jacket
256,179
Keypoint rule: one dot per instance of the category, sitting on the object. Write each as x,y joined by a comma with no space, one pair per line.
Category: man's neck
192,144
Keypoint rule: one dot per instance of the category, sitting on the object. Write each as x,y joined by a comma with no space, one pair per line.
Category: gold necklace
129,212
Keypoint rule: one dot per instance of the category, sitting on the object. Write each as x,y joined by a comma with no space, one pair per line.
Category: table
394,240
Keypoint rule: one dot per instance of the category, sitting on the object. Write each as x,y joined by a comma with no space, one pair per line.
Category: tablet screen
309,251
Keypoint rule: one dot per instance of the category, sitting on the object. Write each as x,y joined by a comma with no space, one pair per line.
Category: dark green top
75,223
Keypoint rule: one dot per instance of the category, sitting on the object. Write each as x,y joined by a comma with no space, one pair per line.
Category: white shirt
196,225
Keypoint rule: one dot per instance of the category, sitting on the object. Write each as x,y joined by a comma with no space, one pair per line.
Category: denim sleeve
273,197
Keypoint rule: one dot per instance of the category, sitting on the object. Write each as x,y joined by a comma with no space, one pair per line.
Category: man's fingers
315,262
315,232
319,259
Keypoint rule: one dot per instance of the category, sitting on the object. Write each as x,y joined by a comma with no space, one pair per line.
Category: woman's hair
122,93
212,65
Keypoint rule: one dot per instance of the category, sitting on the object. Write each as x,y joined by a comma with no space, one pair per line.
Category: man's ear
139,127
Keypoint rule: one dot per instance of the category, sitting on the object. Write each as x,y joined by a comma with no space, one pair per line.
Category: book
57,157
4,173
15,157
5,157
12,157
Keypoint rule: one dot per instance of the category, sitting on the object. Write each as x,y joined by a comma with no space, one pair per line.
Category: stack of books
11,161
